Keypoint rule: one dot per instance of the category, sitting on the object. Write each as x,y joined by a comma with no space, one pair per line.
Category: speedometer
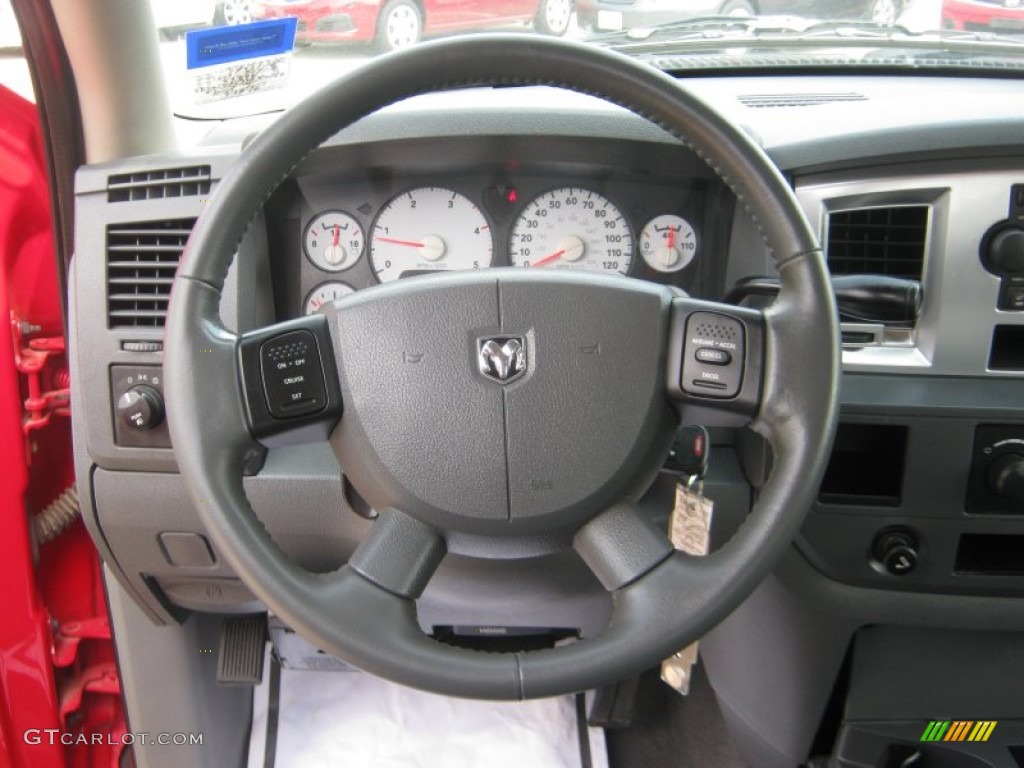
429,229
572,228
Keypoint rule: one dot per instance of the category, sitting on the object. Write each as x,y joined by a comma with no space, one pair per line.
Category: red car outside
395,24
1000,16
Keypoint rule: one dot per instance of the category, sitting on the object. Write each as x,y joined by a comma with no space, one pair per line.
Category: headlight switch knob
141,407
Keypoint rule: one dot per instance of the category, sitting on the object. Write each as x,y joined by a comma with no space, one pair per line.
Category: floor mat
357,721
673,731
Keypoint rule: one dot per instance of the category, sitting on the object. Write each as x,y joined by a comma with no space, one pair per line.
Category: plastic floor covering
347,719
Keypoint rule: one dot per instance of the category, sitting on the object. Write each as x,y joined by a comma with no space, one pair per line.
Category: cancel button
713,356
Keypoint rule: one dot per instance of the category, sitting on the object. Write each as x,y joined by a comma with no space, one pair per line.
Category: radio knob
1006,252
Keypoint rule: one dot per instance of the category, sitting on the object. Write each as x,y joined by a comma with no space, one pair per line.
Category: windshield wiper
856,28
683,29
877,29
709,30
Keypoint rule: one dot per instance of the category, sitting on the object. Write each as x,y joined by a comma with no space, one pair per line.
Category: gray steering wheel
502,404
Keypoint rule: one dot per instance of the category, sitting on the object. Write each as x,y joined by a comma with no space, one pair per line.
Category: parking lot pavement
14,73
922,15
315,66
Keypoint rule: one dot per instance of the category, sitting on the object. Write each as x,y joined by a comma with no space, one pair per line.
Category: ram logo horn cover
502,358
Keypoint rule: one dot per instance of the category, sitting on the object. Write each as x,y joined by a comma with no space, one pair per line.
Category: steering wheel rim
662,599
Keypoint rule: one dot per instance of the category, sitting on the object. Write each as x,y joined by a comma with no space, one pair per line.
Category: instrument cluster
376,228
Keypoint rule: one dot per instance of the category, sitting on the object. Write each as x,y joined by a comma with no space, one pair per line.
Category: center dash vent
141,262
878,241
763,100
152,185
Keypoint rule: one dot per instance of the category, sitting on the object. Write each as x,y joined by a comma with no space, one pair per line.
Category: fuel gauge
333,241
325,293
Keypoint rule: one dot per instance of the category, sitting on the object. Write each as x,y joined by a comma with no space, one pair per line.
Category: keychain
689,528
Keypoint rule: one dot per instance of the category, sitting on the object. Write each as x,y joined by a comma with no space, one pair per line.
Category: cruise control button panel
713,354
293,379
290,381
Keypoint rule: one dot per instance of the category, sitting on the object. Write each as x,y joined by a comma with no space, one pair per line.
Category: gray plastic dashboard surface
298,496
773,663
897,117
964,197
902,117
865,138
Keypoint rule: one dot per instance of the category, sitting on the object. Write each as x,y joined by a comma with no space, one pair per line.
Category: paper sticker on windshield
221,45
227,62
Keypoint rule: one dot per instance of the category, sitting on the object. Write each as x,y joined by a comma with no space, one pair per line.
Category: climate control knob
141,407
1006,477
1006,252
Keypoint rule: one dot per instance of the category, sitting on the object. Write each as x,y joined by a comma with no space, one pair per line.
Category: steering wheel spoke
716,359
621,545
289,381
399,555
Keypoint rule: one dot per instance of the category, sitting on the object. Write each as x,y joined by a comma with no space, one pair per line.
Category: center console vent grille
152,185
878,241
141,261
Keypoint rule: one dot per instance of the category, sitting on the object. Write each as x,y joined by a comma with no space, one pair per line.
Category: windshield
232,58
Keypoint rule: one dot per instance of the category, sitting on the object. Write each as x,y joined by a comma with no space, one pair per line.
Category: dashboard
915,523
575,183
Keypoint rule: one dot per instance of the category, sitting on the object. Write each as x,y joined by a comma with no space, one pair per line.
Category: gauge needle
337,234
431,248
671,238
393,241
570,248
549,258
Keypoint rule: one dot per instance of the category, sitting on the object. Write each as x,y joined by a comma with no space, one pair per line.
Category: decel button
293,377
708,384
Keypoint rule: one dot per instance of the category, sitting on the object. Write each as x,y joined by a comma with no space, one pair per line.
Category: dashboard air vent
152,185
141,262
878,241
762,100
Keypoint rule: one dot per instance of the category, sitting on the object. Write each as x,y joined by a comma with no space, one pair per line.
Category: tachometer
426,230
572,228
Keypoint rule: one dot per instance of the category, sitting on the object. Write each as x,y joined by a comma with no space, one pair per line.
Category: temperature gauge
325,293
333,241
668,243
